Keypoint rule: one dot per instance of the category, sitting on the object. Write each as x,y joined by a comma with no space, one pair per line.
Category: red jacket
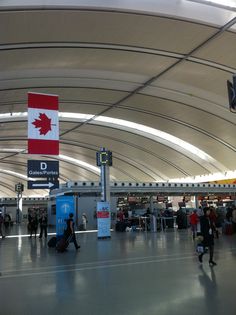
193,218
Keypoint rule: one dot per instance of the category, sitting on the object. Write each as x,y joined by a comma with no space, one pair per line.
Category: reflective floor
132,273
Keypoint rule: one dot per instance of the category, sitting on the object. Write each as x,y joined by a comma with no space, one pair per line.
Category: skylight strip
149,132
205,178
81,163
16,174
224,4
158,133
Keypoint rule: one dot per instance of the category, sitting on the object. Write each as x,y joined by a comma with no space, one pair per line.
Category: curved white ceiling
145,79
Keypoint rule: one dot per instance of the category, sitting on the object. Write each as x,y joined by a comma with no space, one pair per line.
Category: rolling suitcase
63,243
52,242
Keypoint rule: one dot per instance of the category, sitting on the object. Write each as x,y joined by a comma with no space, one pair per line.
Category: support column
104,160
105,182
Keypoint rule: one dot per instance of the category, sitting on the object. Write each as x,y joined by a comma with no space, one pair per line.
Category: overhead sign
37,168
43,124
43,184
19,187
104,158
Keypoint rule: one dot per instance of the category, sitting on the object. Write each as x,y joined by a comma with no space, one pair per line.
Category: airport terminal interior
117,157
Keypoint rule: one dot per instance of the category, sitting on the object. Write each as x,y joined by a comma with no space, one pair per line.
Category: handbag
200,249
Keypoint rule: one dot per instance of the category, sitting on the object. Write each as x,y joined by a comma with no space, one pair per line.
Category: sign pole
105,183
19,188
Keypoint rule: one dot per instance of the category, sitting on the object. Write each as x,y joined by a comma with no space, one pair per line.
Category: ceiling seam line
141,50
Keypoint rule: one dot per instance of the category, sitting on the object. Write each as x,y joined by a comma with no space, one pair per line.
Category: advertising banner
64,206
43,124
103,219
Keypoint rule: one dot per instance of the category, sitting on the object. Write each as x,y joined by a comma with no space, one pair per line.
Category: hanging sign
42,168
43,124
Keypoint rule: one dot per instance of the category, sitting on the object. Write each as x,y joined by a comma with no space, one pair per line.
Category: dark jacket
207,231
68,227
43,221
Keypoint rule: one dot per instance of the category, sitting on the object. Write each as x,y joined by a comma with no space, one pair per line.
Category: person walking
33,224
1,225
43,222
194,222
84,221
234,219
213,218
70,230
208,236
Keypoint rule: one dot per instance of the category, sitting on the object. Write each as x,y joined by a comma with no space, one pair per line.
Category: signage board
19,187
103,219
43,184
38,168
64,206
104,158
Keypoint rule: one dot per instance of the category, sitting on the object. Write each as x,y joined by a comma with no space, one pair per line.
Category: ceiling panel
201,141
82,100
88,26
221,50
84,59
183,115
198,79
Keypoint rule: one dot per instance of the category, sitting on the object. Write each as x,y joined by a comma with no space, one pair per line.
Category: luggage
200,249
52,242
120,226
62,244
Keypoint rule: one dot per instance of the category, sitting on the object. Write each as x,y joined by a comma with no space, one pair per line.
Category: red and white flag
43,124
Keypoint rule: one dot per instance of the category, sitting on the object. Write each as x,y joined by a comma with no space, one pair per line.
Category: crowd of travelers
206,224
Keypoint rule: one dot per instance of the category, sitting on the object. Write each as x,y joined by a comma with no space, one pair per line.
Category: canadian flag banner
43,124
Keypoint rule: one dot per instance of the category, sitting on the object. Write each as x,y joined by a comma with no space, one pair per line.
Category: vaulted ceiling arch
157,65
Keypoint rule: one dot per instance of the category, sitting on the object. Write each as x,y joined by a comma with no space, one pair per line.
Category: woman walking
70,230
207,229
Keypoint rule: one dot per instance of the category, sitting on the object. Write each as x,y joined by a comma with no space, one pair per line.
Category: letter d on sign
43,165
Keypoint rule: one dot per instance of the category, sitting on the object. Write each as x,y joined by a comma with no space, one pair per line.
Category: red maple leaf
43,123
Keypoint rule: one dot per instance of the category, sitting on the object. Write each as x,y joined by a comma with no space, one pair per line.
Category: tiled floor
132,273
